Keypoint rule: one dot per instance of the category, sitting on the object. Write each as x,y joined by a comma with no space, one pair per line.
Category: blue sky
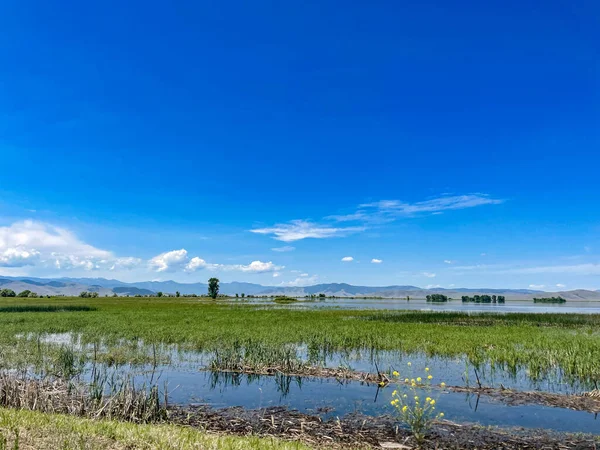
455,142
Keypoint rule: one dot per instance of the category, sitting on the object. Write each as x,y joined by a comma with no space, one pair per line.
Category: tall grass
61,396
249,335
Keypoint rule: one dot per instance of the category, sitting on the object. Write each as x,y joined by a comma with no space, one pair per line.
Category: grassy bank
538,342
21,429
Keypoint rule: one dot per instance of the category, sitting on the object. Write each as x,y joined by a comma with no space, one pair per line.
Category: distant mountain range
73,286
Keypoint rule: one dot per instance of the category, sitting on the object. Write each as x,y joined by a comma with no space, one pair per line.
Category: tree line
437,298
25,293
549,300
484,299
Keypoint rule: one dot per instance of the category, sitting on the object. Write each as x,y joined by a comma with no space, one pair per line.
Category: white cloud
303,229
126,263
276,274
376,261
449,261
169,261
257,267
18,257
285,248
303,274
299,282
537,286
178,259
198,263
428,274
347,259
31,243
560,285
432,286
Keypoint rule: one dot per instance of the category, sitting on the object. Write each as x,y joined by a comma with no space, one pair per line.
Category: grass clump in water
284,300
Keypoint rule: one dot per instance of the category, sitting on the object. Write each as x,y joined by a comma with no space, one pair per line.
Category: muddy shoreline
359,431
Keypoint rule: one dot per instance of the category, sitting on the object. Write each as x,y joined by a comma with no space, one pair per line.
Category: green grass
537,342
20,429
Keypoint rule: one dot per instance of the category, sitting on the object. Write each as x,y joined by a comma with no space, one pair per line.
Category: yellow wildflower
418,379
426,369
404,408
441,415
406,380
442,384
429,377
428,399
416,398
432,402
409,364
394,393
395,373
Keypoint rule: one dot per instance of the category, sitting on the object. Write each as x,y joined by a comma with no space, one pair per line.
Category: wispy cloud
369,214
303,229
390,210
347,259
285,248
449,261
299,282
444,203
537,286
561,286
376,261
428,274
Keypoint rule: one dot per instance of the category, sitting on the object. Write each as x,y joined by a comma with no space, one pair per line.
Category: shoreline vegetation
142,420
549,300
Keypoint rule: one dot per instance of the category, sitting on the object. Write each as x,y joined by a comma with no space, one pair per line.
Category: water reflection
511,306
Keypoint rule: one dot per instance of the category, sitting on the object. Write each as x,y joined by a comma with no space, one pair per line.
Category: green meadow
536,342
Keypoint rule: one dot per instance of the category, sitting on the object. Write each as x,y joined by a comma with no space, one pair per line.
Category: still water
511,306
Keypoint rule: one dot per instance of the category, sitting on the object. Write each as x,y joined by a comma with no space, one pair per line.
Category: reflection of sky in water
454,371
331,398
186,384
516,306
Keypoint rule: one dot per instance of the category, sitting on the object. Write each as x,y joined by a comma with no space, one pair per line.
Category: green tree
213,287
159,294
24,293
243,295
84,294
7,293
177,294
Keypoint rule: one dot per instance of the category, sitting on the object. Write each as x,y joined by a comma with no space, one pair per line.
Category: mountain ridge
73,286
